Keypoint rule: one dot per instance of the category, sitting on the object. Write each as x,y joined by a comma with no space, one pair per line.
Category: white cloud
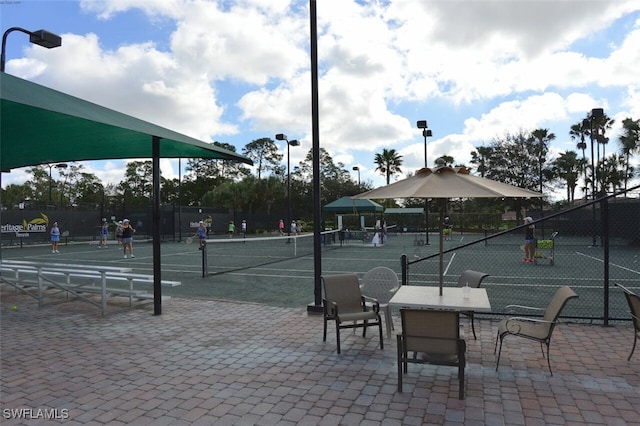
239,70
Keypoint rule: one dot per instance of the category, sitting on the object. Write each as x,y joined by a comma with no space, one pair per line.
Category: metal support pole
604,220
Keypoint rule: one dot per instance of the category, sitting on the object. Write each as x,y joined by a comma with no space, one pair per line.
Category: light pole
57,166
356,168
295,142
426,132
541,160
41,37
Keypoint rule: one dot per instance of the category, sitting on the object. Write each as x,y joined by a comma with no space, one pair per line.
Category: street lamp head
586,123
356,168
422,124
294,142
41,37
427,133
281,137
597,112
61,166
45,39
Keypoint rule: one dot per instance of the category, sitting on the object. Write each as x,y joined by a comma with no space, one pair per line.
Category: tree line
520,159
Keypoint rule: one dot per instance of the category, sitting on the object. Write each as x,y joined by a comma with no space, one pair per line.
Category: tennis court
279,271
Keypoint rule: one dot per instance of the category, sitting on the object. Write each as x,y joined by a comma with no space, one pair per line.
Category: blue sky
235,71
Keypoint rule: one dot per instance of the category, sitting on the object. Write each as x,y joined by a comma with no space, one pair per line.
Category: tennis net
234,254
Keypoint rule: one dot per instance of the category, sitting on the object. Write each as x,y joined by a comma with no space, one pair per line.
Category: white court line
610,264
446,270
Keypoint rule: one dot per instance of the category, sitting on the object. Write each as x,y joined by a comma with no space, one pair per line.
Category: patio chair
474,279
434,338
539,330
634,309
344,303
381,283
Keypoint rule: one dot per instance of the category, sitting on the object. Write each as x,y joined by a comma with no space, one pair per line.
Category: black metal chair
434,338
539,330
344,303
634,309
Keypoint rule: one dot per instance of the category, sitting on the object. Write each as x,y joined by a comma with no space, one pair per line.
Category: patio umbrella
445,182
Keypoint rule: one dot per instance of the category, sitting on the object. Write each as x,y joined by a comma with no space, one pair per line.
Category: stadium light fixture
290,143
426,132
42,38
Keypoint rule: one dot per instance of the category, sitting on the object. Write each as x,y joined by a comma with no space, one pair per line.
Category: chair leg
635,338
324,334
461,380
473,326
499,352
380,328
338,335
388,320
549,359
400,363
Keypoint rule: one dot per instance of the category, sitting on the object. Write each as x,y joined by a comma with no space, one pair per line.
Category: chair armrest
524,319
530,308
374,303
330,307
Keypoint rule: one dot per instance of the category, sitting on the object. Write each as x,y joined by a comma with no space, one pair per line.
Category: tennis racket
189,240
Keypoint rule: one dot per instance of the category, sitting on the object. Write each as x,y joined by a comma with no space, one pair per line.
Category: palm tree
568,168
601,125
543,138
388,163
630,141
579,131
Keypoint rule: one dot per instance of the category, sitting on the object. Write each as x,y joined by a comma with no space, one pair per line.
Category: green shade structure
40,125
349,205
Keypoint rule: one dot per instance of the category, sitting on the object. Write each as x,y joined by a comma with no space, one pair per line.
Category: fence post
404,267
604,220
205,266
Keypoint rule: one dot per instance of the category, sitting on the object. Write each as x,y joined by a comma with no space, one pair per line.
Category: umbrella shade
447,182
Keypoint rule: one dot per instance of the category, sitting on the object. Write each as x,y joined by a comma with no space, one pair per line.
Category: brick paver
218,362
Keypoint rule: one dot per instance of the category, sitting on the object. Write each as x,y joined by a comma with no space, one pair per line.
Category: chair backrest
474,278
560,299
634,305
423,328
381,283
344,291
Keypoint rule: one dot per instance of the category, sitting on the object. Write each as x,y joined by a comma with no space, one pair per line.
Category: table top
423,297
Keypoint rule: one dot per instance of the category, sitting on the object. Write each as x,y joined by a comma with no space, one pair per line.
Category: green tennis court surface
284,279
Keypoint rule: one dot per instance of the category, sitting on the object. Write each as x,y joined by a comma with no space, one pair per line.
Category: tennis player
201,234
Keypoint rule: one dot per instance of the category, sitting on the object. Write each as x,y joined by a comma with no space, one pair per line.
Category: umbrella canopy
447,182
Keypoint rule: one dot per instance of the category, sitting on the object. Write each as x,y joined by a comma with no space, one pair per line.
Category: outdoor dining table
453,298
